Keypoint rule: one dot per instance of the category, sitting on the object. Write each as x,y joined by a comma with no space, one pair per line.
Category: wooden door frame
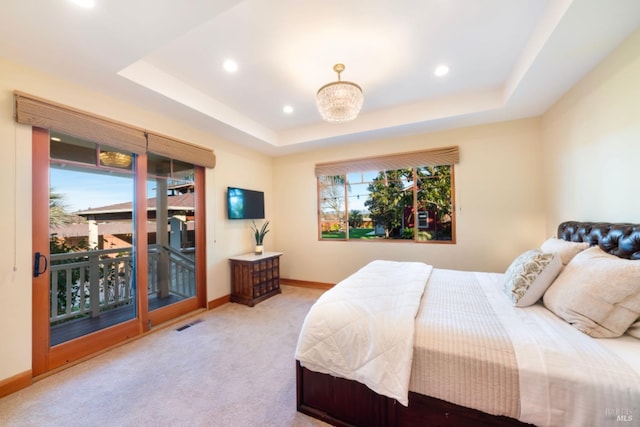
45,357
40,233
172,311
141,243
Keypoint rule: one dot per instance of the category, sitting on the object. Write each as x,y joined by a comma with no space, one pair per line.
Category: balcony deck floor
76,328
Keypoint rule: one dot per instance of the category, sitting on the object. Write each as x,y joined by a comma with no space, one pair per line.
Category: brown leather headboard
618,239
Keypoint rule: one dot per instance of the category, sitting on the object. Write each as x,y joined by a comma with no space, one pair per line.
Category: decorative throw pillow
567,250
598,293
529,275
634,329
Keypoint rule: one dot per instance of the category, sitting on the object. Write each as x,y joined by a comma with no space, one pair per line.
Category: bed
555,340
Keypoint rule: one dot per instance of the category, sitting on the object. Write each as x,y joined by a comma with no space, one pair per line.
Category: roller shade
181,150
42,113
432,157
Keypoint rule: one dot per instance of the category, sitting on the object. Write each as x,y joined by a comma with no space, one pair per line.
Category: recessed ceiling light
230,65
55,138
89,4
287,109
441,70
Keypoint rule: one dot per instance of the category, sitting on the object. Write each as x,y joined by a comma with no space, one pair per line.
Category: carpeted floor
233,367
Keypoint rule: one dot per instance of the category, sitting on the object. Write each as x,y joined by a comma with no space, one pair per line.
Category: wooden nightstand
255,277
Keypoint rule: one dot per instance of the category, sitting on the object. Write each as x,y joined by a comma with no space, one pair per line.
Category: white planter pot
259,249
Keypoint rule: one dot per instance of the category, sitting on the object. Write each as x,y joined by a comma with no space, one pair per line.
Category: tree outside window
333,206
402,204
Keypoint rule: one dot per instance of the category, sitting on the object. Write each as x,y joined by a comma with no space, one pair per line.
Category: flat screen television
244,204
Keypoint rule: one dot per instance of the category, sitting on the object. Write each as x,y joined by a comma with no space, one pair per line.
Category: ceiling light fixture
339,101
115,159
441,70
230,65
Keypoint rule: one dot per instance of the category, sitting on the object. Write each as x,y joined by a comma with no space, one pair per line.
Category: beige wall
591,144
236,166
498,204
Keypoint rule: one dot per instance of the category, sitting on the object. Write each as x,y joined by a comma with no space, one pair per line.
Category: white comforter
363,329
475,349
470,347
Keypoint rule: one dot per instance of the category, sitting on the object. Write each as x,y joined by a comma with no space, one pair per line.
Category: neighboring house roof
113,228
116,219
80,230
181,202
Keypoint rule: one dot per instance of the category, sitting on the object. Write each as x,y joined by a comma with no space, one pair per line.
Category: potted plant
259,234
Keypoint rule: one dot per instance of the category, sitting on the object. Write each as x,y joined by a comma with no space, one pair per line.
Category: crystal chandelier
115,159
339,101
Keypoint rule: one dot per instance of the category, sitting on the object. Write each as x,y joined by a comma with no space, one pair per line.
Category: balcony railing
91,282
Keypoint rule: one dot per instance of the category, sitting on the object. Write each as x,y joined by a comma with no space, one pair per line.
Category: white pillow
529,275
567,250
598,293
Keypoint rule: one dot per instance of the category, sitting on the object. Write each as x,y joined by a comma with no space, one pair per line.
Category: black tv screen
245,204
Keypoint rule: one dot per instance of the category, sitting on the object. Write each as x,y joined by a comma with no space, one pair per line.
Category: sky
82,190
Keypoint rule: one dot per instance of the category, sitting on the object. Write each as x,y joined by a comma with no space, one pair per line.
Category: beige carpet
234,368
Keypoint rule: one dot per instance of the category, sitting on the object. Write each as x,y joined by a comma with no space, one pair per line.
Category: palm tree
355,218
58,214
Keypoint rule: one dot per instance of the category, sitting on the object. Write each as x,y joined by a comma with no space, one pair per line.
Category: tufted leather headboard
618,239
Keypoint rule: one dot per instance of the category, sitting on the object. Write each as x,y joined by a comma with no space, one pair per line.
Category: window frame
377,173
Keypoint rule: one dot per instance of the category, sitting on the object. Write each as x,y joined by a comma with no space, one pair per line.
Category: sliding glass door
92,259
118,243
171,231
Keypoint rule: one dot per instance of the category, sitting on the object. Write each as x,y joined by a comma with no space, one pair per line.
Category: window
411,203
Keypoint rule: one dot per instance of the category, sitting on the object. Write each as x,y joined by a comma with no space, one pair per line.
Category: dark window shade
432,157
45,114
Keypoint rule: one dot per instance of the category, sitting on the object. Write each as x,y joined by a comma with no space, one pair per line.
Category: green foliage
391,192
354,233
57,246
259,233
434,194
395,197
424,235
355,218
388,198
57,209
408,233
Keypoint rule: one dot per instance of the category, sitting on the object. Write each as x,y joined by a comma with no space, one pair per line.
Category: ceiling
507,59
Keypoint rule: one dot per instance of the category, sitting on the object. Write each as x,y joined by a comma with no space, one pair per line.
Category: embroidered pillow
598,293
529,276
567,250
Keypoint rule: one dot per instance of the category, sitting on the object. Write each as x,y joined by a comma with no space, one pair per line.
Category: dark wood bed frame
343,402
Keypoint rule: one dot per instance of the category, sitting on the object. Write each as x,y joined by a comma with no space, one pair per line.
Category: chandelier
115,159
339,101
